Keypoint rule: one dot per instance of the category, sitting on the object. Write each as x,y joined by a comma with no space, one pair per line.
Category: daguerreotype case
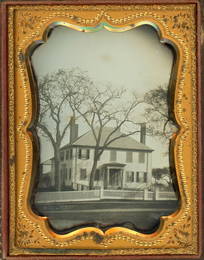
101,136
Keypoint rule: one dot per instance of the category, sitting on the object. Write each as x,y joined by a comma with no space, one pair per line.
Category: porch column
108,172
102,178
122,178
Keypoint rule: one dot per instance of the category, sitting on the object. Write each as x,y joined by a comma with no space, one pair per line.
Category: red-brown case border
4,127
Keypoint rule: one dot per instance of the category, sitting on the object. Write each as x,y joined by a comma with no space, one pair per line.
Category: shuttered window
70,153
145,176
129,156
129,176
82,174
70,173
87,154
137,176
67,154
113,155
84,154
141,157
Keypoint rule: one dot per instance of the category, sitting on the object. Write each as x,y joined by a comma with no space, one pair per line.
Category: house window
62,156
70,154
129,176
141,157
84,154
137,176
82,174
97,175
113,155
129,156
87,154
145,177
67,154
65,173
79,154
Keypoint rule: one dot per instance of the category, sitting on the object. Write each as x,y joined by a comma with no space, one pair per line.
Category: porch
111,176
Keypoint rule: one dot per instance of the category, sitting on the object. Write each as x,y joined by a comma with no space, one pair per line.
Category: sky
134,60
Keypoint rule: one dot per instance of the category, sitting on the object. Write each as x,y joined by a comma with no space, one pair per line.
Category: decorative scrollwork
177,24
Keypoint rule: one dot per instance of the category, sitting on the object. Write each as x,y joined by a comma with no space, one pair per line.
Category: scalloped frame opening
33,123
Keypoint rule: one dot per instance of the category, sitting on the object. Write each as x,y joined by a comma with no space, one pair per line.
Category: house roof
124,143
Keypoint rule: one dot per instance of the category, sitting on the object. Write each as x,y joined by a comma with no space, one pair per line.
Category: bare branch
47,132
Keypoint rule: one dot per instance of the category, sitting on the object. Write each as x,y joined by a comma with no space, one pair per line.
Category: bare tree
163,177
67,94
56,92
103,107
158,113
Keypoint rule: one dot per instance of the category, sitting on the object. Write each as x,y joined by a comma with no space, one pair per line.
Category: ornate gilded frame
29,234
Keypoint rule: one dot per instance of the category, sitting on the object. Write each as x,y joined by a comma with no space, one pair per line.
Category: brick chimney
143,133
73,130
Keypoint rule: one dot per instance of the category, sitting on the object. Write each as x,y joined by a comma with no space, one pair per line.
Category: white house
124,164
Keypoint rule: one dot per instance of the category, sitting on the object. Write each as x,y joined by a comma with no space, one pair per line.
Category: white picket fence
91,195
122,194
64,196
166,196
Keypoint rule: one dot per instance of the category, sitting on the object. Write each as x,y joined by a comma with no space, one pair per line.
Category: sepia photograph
104,129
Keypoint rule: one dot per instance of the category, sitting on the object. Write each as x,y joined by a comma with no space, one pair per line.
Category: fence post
101,192
156,195
145,194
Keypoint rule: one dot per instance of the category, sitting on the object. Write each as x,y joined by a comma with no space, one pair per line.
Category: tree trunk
93,170
92,175
57,172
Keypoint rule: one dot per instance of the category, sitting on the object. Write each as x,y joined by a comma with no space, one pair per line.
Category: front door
115,178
